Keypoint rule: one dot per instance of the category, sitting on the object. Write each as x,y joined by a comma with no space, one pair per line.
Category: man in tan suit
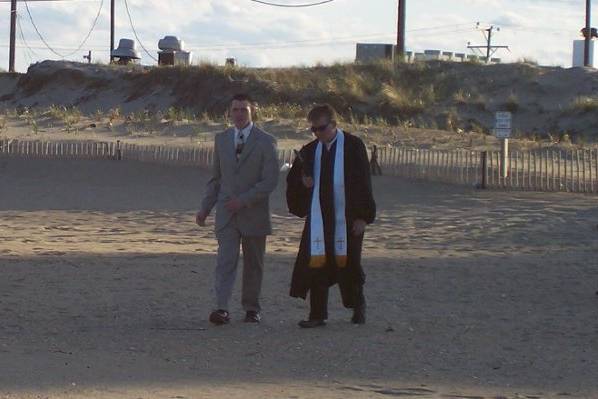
245,172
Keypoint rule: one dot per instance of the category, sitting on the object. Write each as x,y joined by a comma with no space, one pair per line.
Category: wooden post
577,174
566,171
484,171
541,170
535,168
118,151
552,175
396,161
509,177
467,165
504,150
416,164
590,172
459,155
546,184
584,162
560,175
572,172
515,170
490,160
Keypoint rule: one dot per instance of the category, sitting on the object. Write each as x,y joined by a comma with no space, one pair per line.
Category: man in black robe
360,210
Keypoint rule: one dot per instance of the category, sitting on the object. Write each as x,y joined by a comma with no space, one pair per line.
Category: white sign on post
503,125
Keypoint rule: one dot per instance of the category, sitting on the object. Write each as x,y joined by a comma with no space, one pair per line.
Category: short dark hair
242,97
322,110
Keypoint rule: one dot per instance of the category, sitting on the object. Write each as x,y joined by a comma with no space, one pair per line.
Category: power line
490,49
430,31
135,33
29,53
311,43
319,3
433,30
95,21
23,38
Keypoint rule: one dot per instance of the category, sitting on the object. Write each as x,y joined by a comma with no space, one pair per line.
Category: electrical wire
300,43
441,29
28,51
135,33
94,24
316,42
304,5
22,35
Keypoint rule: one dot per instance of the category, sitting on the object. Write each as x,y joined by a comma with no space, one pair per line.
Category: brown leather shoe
219,317
313,323
251,316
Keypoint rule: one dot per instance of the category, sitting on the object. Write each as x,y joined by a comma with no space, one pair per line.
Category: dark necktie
240,144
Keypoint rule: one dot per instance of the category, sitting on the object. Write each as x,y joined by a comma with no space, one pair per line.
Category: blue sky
259,35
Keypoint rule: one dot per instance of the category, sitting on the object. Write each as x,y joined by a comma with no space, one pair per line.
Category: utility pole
490,49
588,33
13,28
401,29
489,41
111,28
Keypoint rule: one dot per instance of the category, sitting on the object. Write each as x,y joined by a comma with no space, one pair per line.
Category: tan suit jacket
251,178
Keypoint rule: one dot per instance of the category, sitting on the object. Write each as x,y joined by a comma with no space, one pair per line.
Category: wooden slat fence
540,170
57,149
460,167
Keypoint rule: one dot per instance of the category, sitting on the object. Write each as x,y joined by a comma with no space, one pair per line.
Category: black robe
359,204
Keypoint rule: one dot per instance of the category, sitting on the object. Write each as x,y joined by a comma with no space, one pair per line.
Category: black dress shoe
358,315
251,316
219,317
313,323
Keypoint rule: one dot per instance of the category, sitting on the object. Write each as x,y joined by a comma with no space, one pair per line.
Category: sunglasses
316,129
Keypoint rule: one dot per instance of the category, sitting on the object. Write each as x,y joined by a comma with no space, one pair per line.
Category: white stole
317,246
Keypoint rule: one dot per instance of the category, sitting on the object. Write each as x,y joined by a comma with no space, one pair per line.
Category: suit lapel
229,146
249,146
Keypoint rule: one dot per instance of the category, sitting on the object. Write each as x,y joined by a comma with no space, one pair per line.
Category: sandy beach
106,288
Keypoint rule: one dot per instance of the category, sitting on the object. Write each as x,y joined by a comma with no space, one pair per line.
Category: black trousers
318,299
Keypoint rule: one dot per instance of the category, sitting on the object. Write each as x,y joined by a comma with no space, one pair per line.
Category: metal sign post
503,130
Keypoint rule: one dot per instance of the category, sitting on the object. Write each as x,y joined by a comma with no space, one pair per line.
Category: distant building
368,52
432,55
579,52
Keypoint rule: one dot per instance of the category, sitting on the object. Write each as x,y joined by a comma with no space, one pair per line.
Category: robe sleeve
365,206
298,196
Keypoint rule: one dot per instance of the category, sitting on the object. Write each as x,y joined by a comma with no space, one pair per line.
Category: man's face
241,113
323,129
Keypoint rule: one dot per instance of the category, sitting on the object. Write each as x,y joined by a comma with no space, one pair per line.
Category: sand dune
105,291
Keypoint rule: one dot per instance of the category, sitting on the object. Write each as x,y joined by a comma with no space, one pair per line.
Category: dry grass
450,96
385,91
69,116
584,104
512,103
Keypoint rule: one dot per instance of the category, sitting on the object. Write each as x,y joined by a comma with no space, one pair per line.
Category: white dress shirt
245,132
329,144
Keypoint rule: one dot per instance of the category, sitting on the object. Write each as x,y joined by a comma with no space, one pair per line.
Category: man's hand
200,218
358,227
308,181
233,205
